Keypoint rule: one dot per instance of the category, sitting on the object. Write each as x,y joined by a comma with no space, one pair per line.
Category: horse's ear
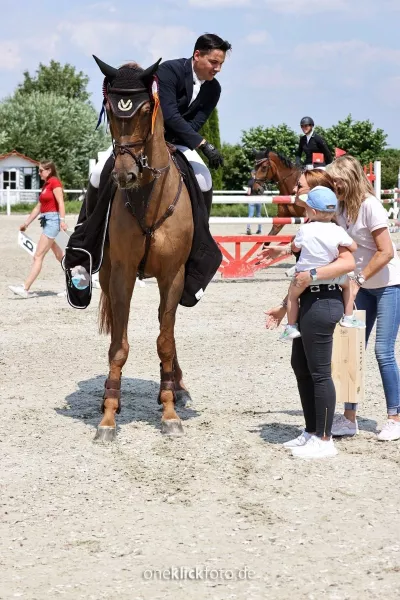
107,70
259,154
148,73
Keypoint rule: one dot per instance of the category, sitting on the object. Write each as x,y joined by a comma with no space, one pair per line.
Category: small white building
20,174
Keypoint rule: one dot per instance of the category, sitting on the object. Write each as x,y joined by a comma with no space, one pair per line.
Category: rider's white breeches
95,174
201,171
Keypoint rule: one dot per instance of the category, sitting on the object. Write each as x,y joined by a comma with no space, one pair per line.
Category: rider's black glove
215,158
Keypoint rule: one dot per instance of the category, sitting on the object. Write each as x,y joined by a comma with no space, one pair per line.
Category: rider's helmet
306,121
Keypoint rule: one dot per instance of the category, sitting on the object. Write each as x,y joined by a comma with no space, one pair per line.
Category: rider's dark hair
210,41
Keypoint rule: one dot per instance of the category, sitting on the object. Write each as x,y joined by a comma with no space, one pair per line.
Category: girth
148,232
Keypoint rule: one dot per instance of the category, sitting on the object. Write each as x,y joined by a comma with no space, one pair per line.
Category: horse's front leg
274,231
183,397
116,304
170,294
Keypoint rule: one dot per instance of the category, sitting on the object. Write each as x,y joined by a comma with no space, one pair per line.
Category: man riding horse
188,93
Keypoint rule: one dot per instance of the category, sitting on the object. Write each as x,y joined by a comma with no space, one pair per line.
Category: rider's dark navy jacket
182,122
316,144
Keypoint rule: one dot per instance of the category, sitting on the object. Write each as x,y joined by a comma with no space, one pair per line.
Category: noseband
140,159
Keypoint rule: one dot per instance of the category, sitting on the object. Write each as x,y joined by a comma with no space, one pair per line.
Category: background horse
272,167
150,231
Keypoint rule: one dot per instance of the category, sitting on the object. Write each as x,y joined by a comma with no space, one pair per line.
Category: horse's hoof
183,399
172,427
105,434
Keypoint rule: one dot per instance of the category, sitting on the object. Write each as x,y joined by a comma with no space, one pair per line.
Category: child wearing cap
318,240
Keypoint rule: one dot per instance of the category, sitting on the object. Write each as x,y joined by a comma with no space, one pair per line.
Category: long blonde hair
351,185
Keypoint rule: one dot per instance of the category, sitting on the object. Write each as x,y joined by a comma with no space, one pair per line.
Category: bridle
142,163
140,158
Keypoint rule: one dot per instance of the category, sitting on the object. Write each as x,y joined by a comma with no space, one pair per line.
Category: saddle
84,252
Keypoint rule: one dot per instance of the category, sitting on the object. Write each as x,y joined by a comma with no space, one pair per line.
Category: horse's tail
105,314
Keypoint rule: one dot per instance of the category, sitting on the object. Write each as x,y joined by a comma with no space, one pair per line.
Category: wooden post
8,200
348,362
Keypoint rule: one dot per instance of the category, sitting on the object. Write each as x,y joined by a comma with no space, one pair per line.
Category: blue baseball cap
322,198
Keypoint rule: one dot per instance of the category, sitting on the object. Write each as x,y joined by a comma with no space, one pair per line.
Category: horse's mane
286,161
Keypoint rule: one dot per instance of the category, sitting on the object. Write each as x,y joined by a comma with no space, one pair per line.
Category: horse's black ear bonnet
127,88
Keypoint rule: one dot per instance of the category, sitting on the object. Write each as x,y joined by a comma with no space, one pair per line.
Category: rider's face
207,66
306,129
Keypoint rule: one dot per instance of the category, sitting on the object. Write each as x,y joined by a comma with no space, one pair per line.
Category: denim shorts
50,222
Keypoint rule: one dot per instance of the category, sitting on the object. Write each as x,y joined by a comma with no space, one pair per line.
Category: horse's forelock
132,65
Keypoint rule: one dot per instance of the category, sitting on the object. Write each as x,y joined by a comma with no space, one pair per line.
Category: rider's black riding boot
88,204
208,196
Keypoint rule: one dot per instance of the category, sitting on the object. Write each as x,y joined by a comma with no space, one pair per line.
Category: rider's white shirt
196,86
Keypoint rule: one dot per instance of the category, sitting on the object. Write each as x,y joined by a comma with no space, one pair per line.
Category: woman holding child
377,270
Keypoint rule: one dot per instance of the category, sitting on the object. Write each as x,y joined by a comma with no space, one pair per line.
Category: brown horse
150,231
272,167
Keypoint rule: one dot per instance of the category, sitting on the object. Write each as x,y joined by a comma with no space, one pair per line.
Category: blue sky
290,58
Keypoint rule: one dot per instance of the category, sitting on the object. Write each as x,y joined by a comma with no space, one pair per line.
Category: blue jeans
383,306
50,222
254,210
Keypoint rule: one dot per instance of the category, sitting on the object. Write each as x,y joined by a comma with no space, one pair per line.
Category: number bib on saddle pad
84,251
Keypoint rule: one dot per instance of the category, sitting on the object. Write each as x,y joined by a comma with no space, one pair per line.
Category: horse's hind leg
170,294
115,314
183,398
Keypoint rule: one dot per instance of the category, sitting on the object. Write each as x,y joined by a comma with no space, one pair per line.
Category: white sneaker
315,448
390,431
351,322
291,332
301,440
19,290
342,426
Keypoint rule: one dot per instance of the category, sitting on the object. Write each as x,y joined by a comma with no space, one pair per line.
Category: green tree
237,167
390,167
239,159
280,139
47,126
210,131
358,138
62,80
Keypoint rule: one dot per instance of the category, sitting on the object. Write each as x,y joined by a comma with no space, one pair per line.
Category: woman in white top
377,282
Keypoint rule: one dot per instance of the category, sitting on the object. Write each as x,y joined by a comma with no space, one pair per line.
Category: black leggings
312,356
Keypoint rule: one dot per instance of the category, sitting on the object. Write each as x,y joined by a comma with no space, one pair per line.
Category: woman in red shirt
52,218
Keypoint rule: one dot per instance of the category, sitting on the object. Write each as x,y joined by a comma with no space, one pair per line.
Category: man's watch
313,273
360,280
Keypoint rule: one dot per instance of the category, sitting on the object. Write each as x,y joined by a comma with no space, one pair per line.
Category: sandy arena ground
85,521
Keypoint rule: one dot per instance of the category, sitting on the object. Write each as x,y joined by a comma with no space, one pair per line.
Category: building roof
15,153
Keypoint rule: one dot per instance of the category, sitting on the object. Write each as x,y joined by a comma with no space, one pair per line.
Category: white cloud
101,6
308,6
258,38
104,38
279,78
219,3
10,55
348,55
